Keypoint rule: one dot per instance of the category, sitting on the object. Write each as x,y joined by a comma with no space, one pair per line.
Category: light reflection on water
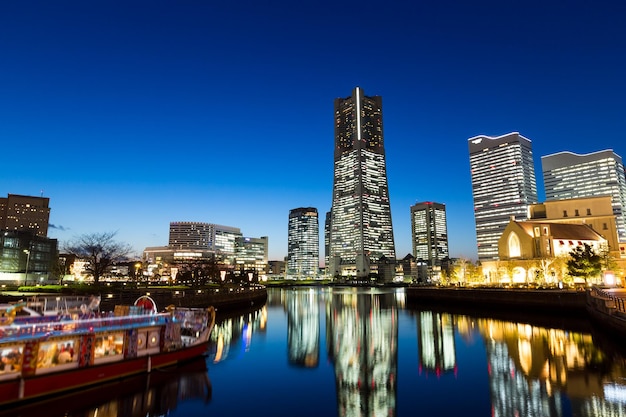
362,352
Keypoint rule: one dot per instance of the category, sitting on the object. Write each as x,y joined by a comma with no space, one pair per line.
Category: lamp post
27,252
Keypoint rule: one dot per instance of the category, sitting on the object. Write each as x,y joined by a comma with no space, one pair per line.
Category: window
515,250
604,226
57,352
576,213
564,213
588,212
11,359
108,345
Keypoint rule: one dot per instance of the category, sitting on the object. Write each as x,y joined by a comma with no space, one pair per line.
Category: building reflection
235,330
435,343
303,328
362,336
530,368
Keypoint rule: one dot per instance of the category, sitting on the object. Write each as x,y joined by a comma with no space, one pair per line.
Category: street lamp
27,252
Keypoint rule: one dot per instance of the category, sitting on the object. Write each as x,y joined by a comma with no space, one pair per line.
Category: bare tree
100,249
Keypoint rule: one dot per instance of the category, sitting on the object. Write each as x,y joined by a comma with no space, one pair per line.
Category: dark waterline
362,352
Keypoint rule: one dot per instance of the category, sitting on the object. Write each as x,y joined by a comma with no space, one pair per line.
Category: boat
44,354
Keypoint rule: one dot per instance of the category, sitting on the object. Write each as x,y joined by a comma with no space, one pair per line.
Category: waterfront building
596,212
251,255
361,231
503,185
198,237
25,213
534,250
429,231
303,243
567,175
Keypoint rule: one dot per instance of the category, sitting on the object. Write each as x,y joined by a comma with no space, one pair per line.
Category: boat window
109,344
57,352
11,359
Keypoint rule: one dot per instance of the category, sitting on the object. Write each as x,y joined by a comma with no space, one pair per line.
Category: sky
133,114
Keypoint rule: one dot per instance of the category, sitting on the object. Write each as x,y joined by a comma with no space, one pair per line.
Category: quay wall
532,300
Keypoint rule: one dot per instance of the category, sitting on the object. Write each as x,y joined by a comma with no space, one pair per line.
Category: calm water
347,352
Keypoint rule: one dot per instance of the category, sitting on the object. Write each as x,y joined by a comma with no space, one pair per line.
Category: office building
25,213
27,255
567,175
204,237
361,232
429,231
503,185
303,256
251,256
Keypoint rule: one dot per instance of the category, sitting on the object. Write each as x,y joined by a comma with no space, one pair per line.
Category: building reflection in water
362,335
230,330
531,367
303,328
435,343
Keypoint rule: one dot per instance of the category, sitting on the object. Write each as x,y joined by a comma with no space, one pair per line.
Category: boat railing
81,326
618,303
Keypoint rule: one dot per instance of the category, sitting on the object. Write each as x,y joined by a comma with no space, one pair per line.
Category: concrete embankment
222,299
564,301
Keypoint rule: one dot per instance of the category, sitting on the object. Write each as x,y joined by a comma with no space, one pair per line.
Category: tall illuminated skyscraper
360,231
568,175
503,185
430,232
303,253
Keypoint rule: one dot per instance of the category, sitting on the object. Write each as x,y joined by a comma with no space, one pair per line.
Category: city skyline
129,116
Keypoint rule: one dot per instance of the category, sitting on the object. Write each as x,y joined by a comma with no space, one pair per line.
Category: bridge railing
618,302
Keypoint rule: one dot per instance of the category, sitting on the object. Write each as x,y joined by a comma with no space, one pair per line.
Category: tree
100,249
584,262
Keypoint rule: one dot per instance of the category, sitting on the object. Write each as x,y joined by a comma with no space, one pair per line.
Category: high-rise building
503,185
567,175
430,233
303,254
25,214
361,232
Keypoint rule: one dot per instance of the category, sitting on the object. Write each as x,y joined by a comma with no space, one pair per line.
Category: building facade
361,231
205,237
429,231
251,256
25,213
567,175
595,212
27,255
503,185
303,243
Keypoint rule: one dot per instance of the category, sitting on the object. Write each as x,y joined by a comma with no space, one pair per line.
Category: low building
532,249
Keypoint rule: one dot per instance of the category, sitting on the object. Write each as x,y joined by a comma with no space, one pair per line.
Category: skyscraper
303,252
567,175
360,231
429,232
503,185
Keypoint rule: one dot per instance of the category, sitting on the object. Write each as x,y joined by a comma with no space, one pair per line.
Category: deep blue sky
131,114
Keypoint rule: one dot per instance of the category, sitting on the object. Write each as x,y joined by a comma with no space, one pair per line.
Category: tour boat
43,354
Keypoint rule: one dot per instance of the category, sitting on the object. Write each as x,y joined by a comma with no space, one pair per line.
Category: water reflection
156,394
231,329
303,328
362,336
